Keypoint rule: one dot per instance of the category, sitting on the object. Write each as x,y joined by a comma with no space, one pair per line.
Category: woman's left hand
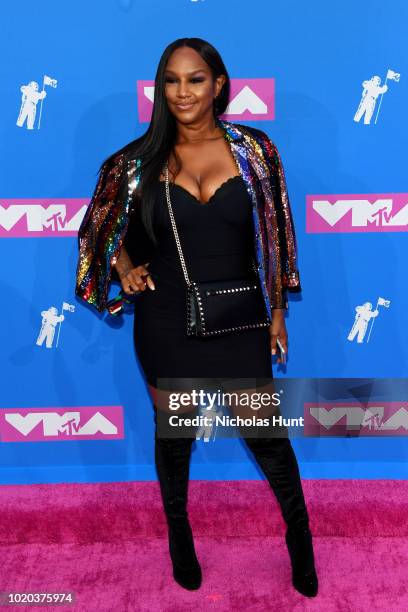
277,329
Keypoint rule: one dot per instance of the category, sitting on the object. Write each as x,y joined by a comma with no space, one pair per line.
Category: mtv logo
344,213
42,217
373,419
53,424
250,100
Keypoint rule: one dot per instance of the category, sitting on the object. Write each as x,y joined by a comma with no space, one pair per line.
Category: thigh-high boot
276,458
172,458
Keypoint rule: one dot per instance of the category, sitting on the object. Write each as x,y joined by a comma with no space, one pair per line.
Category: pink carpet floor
108,544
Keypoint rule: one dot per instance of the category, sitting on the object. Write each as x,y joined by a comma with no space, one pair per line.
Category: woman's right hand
137,279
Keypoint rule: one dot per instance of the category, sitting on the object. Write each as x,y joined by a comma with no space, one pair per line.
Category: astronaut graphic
29,100
364,315
206,430
371,90
50,319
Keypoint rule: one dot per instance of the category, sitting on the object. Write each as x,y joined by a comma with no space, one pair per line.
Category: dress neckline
216,192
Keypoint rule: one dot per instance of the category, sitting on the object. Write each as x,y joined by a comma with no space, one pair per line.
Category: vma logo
49,424
42,218
344,213
372,419
250,99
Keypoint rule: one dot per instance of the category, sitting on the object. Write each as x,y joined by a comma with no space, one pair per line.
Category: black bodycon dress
217,239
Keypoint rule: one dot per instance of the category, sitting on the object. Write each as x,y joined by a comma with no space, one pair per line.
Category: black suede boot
276,458
300,547
172,457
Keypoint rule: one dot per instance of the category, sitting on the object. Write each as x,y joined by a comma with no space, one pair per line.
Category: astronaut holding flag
50,320
365,315
30,98
372,89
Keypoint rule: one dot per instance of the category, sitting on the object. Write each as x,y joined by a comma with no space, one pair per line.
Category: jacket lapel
249,160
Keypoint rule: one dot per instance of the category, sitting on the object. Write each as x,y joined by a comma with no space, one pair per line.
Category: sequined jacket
104,226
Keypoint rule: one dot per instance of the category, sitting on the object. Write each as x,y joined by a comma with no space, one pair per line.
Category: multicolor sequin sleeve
289,273
100,235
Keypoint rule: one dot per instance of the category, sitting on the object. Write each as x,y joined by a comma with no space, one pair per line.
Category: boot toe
306,584
190,578
300,547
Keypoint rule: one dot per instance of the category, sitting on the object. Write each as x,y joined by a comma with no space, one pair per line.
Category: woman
229,198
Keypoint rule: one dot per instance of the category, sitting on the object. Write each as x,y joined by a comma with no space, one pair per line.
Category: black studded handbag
222,306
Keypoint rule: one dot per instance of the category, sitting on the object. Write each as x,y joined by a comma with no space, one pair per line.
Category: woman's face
189,86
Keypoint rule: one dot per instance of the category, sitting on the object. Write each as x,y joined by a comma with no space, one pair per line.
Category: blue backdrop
88,58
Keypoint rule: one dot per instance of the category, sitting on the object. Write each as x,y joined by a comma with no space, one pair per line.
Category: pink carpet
107,543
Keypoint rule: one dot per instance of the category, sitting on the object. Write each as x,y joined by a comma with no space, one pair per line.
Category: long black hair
154,147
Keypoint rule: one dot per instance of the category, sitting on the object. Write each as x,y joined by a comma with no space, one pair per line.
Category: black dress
217,239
